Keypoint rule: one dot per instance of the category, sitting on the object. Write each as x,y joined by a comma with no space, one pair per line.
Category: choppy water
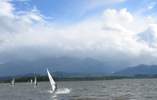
126,89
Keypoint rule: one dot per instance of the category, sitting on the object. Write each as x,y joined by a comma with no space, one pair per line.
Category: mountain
60,64
139,70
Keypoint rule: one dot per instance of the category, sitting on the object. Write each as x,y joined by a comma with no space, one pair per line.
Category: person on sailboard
55,88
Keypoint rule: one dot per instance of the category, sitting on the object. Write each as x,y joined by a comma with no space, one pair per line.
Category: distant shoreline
86,78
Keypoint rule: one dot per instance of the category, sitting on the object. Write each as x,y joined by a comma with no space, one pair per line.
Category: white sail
13,82
31,81
35,81
52,82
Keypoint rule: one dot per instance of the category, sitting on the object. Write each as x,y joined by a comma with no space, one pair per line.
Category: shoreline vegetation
73,78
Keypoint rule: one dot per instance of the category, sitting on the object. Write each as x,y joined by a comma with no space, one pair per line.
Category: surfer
55,88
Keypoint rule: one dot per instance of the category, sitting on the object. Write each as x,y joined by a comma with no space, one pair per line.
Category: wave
61,91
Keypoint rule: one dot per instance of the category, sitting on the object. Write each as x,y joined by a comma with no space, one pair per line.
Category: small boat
52,82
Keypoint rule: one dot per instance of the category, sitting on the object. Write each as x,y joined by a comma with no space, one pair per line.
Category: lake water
125,89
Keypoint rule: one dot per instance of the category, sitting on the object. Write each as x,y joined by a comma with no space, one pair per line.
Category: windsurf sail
35,81
52,82
31,81
13,82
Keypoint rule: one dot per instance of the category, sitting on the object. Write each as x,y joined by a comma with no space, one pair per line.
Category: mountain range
138,70
56,64
71,66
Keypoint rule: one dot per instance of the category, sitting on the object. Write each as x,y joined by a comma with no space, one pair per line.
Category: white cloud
31,16
114,37
118,19
149,36
6,8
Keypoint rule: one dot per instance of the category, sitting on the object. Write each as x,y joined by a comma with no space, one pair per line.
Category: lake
122,89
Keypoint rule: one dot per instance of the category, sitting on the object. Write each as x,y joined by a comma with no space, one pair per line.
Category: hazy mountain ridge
139,70
60,64
70,66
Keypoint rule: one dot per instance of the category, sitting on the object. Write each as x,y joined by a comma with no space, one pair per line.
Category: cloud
149,36
6,8
117,20
113,37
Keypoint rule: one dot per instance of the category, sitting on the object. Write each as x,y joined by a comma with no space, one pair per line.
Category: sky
116,31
